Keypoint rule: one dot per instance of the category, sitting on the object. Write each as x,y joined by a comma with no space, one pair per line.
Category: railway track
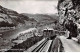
46,47
43,46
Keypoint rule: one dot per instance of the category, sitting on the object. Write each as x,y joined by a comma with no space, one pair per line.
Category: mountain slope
42,18
11,17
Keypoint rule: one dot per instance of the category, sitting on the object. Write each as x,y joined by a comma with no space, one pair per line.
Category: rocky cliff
69,9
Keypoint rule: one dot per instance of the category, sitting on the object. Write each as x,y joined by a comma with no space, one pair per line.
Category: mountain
11,17
42,18
54,16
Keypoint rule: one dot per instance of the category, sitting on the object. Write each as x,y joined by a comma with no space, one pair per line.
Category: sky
31,6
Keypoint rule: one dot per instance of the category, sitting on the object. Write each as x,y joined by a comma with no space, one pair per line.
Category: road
70,45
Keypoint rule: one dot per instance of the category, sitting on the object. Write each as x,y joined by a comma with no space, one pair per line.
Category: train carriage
49,33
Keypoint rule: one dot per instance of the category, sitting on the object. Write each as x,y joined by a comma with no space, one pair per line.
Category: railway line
45,45
42,46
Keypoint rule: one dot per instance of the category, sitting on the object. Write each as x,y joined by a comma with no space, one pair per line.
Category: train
49,33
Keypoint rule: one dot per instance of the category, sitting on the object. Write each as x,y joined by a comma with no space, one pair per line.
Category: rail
42,46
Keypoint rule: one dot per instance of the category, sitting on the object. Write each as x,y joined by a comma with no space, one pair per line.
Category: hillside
42,19
9,17
12,18
54,16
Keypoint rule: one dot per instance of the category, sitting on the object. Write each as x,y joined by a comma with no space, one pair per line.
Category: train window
48,32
